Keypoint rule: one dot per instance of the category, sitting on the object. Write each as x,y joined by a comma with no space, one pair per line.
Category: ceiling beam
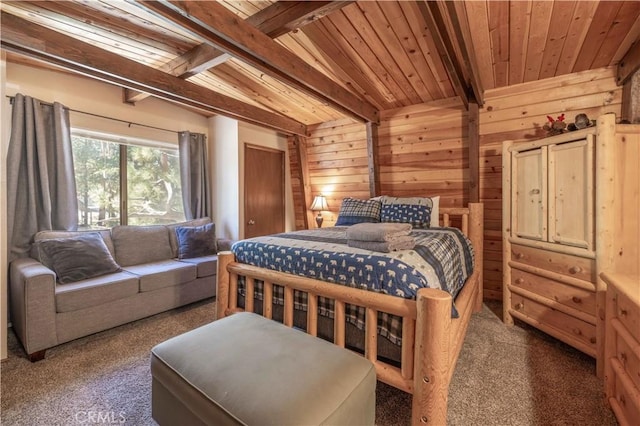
27,38
457,16
275,20
195,61
629,64
218,26
435,23
282,17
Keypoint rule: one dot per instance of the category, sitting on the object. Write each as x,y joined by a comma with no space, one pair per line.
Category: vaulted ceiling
289,64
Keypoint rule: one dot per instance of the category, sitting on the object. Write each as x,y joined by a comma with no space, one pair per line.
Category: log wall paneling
337,160
423,151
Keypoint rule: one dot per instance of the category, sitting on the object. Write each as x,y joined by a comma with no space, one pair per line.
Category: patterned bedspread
442,259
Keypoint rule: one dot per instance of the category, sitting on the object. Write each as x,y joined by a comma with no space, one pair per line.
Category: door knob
251,222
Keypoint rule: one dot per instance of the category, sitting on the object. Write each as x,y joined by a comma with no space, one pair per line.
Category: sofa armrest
33,305
224,244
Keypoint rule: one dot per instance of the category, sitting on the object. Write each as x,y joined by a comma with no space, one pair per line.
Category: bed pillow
196,241
354,211
435,212
78,258
413,210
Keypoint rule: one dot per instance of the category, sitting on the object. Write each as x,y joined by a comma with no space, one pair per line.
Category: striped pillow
354,211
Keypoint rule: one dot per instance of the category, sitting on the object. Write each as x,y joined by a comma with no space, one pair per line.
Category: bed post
476,213
432,352
222,283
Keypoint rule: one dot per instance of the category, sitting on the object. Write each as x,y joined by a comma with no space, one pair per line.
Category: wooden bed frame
431,339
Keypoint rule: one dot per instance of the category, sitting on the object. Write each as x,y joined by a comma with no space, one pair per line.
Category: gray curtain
41,185
194,175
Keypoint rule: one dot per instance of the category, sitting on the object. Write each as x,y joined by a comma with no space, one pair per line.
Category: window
119,183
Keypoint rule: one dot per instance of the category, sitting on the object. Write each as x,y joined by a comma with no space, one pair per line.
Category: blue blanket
442,259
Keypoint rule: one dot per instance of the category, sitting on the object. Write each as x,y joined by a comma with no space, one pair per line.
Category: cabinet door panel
529,197
571,193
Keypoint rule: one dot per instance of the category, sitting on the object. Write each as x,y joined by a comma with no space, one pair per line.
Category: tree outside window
150,193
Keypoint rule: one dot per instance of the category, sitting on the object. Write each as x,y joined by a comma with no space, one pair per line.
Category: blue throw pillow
196,241
354,211
418,215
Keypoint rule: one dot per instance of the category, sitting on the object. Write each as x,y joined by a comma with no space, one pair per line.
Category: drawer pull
623,357
575,270
535,191
577,331
623,312
593,340
576,299
519,306
519,281
519,255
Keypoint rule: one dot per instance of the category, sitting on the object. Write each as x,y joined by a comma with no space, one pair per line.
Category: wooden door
529,196
264,206
571,191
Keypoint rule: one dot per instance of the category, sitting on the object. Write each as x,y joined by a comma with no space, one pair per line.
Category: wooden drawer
627,404
628,313
570,330
629,360
566,264
577,298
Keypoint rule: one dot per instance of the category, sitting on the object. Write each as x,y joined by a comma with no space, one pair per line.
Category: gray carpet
505,376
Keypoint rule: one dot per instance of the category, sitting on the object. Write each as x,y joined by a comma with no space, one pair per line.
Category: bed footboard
431,339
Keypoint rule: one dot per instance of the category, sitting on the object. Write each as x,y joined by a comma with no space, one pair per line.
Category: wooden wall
336,166
423,150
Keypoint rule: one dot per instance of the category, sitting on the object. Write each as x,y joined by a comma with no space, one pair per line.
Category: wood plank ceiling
286,65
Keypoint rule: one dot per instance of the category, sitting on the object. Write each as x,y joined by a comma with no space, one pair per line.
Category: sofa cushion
136,245
95,291
196,241
206,265
172,231
161,274
77,258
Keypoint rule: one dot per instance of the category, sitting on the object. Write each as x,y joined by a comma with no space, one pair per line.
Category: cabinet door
529,194
571,191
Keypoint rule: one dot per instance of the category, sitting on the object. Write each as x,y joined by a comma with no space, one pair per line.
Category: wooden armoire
557,233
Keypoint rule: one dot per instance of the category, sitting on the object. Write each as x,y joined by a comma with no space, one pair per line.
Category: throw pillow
354,211
172,231
413,210
78,258
196,241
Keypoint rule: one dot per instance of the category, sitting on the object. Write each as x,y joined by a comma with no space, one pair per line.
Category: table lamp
319,204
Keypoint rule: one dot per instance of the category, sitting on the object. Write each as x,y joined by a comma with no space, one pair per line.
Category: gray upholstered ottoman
245,369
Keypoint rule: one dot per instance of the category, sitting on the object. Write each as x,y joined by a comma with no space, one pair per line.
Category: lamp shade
319,203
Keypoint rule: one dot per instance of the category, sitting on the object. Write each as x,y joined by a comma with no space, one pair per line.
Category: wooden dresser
622,351
621,276
557,221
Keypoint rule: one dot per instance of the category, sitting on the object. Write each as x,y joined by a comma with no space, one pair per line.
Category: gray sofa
150,279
